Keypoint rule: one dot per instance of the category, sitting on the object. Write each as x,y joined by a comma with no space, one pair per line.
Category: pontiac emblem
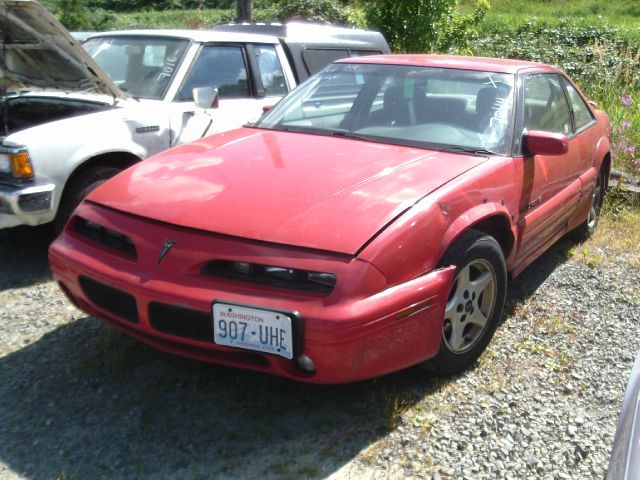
168,245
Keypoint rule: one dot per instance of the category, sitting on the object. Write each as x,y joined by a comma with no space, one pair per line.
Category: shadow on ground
85,401
23,256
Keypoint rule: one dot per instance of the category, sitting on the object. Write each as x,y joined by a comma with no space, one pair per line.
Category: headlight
271,275
5,163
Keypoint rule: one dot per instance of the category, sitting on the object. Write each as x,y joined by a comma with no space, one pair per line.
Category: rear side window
315,59
271,72
581,113
218,66
545,105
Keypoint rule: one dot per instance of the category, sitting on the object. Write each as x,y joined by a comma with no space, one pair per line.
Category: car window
545,105
217,66
421,106
141,66
315,59
581,113
271,72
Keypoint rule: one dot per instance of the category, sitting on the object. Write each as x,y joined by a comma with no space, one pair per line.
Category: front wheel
78,189
475,302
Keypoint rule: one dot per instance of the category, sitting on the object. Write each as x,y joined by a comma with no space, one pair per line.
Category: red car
367,223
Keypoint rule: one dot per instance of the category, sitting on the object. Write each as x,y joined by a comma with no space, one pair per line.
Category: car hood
297,189
37,53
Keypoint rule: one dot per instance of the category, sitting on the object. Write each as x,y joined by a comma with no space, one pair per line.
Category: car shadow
23,256
530,279
85,401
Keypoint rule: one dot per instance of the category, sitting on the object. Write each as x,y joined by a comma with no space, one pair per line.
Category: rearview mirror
537,142
205,97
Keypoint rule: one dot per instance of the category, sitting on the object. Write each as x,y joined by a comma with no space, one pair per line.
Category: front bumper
348,337
28,205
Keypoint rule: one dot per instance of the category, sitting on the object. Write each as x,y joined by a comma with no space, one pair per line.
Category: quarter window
218,66
581,113
545,105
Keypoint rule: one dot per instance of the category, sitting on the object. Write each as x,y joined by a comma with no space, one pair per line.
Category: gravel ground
80,400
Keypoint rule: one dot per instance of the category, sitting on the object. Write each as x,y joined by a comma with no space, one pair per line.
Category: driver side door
551,183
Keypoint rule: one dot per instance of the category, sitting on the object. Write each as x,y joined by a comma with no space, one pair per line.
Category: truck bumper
31,205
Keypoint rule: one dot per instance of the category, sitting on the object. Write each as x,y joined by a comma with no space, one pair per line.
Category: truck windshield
440,108
140,66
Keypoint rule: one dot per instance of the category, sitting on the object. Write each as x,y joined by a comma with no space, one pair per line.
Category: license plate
253,329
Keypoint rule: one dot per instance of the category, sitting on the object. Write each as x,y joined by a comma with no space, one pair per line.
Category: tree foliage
75,15
424,25
330,11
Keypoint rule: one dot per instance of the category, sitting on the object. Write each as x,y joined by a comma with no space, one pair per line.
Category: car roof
499,65
195,35
309,33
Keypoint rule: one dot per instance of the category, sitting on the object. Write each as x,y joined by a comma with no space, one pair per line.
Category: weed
395,407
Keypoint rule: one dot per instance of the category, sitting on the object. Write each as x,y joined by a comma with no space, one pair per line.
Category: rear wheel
585,230
475,302
78,189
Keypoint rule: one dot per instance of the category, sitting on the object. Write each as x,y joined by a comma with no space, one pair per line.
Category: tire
475,302
78,189
586,229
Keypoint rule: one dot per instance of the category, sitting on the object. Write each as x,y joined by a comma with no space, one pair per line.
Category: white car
72,118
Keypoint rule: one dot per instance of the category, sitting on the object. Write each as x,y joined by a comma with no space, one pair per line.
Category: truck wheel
78,189
475,302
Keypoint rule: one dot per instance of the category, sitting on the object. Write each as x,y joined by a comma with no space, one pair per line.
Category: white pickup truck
71,117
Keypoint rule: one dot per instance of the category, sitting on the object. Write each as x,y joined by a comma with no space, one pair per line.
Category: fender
602,150
474,216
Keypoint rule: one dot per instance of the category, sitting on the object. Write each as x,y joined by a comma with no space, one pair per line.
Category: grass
618,231
620,12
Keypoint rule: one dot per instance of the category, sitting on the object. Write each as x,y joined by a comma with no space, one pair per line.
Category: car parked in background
366,223
625,457
70,120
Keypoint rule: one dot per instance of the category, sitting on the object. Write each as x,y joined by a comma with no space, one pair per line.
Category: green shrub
424,25
603,60
330,11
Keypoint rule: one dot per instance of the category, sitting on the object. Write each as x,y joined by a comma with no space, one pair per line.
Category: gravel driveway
79,400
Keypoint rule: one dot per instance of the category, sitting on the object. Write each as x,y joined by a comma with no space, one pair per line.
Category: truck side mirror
205,97
537,142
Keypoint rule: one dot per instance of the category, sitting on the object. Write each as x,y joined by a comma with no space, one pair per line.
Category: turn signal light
21,165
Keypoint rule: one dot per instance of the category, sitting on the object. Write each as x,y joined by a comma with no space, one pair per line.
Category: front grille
181,321
106,237
116,302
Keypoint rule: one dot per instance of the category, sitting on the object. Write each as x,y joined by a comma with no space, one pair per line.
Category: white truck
70,118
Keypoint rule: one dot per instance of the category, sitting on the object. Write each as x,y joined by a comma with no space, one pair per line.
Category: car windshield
441,108
141,66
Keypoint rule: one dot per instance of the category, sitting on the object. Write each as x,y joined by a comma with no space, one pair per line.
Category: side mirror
537,142
266,108
205,97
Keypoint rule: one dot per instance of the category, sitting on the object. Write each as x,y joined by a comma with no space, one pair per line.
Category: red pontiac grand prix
366,223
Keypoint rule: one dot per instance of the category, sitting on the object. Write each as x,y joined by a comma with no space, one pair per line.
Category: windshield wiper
345,134
471,150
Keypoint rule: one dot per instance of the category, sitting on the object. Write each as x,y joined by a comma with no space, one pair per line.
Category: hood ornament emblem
168,245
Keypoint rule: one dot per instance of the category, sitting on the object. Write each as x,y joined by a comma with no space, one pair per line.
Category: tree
330,11
244,10
424,25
